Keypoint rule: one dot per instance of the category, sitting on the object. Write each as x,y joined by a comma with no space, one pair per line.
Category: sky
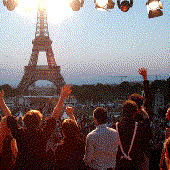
87,44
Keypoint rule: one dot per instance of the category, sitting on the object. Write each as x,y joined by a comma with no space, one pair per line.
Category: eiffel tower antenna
42,24
42,40
41,43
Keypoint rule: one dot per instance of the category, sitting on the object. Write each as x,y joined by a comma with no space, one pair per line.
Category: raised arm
148,94
65,91
3,106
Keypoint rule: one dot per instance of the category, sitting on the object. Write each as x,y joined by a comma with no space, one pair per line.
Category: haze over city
91,46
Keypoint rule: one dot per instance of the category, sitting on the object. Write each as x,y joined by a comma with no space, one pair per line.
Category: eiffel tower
41,43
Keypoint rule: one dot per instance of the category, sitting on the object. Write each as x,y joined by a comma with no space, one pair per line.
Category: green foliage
102,93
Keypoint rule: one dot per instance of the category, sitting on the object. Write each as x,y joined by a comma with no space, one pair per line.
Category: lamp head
104,5
154,4
100,5
124,8
125,5
155,13
10,4
110,4
154,8
75,5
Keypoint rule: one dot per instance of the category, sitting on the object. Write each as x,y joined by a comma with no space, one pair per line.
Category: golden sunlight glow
57,11
101,9
41,4
154,5
101,3
27,9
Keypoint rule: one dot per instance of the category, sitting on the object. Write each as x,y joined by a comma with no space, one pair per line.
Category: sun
57,11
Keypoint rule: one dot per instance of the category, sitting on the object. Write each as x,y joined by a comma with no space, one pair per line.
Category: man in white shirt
101,143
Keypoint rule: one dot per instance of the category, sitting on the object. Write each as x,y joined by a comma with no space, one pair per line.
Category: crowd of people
49,144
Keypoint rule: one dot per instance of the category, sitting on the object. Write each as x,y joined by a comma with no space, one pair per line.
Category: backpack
125,160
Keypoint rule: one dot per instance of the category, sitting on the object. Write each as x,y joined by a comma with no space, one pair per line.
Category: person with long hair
145,111
163,165
31,139
8,147
70,151
133,138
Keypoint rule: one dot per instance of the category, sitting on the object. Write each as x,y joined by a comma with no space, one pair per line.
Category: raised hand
65,91
143,73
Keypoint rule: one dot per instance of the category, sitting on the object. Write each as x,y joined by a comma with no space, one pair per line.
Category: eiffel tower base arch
35,73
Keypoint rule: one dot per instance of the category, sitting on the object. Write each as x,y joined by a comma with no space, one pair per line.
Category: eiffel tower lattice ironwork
41,43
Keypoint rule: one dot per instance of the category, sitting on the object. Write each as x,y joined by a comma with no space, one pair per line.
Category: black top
126,129
7,158
31,144
69,154
148,99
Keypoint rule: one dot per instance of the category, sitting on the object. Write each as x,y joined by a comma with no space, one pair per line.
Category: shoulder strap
133,138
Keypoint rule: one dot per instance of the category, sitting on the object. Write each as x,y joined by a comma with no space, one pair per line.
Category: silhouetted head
70,128
129,109
100,115
138,99
32,119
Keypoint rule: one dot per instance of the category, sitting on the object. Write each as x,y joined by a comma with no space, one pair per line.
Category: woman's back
71,149
69,154
126,129
31,144
7,156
